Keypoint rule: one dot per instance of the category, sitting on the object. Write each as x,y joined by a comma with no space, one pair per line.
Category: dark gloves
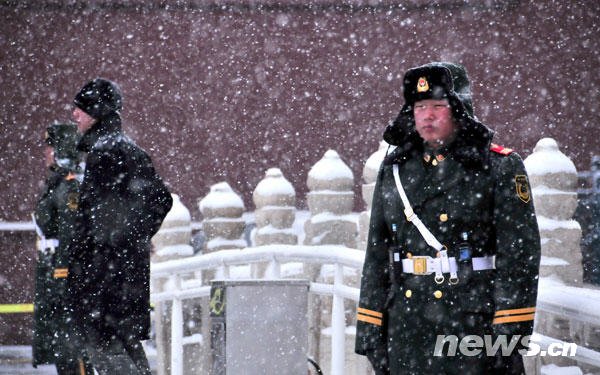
379,360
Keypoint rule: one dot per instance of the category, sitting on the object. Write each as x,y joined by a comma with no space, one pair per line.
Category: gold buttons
444,218
408,293
437,294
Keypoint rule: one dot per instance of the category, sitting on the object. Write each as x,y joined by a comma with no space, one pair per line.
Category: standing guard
453,247
55,216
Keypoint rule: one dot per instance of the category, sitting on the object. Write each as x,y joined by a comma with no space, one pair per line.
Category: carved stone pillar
223,224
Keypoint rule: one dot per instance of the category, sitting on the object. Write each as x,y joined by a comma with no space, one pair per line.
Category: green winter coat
55,215
474,198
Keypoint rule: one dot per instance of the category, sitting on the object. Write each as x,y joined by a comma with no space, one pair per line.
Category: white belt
47,243
426,265
484,263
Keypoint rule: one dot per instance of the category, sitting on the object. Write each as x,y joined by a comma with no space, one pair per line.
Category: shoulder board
500,149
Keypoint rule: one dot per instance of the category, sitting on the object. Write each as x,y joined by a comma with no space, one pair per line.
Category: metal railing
574,304
176,270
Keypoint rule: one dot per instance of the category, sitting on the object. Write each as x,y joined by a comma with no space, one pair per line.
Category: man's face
48,155
83,120
434,121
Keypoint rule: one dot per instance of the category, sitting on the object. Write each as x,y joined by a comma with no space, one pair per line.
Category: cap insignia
422,85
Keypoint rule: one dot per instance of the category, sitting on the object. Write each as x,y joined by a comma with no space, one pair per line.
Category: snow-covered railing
275,255
17,226
570,303
575,305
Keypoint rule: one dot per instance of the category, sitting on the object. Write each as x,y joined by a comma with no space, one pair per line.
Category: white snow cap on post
547,158
329,168
221,196
274,184
173,239
275,200
223,224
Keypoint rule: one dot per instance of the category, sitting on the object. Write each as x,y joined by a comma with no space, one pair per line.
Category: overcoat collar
423,183
108,125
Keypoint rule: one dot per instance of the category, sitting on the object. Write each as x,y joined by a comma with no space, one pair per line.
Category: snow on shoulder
547,158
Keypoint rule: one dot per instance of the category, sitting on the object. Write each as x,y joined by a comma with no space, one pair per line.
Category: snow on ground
16,360
556,370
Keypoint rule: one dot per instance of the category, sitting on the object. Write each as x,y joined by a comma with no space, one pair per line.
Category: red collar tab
500,149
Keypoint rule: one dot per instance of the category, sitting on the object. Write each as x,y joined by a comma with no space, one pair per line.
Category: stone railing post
553,179
370,171
172,241
275,200
223,224
223,228
330,201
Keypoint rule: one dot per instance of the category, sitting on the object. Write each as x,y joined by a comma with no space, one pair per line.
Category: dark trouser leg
110,358
138,356
74,367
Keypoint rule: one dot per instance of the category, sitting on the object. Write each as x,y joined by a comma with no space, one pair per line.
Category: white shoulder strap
412,217
39,232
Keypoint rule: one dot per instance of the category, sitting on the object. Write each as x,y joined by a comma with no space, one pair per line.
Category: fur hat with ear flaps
440,80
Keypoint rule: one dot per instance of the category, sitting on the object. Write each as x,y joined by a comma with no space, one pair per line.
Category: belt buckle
420,265
409,213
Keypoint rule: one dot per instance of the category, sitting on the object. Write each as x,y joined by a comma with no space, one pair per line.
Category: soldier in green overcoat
55,216
453,249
